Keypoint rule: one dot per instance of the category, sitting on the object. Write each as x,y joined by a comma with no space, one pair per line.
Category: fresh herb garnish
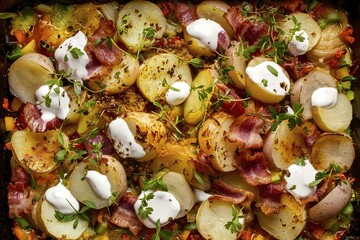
319,176
234,225
293,119
162,234
144,210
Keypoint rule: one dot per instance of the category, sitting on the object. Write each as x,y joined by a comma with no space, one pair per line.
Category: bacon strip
245,130
184,13
124,214
270,195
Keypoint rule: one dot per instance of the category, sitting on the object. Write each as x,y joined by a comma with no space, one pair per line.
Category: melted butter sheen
124,141
274,80
299,179
325,97
59,106
177,93
206,31
76,62
61,199
99,183
299,44
165,207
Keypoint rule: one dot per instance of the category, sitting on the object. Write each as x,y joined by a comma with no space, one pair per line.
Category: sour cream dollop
59,105
325,97
165,207
206,31
61,199
71,55
177,93
299,179
299,44
200,195
124,141
99,183
270,76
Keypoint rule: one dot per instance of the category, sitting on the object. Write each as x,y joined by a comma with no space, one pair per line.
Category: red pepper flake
346,34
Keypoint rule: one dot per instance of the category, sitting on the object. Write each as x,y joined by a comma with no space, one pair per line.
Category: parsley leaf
144,210
234,225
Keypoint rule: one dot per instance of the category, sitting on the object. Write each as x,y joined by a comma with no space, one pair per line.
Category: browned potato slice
180,157
303,88
212,217
336,118
288,223
159,72
196,47
283,146
332,148
237,60
36,151
213,141
111,168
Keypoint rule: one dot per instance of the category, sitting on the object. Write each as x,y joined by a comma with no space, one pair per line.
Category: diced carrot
20,36
8,146
22,234
185,234
5,104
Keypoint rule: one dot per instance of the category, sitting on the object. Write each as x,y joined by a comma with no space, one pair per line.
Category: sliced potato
215,10
211,218
121,77
332,204
111,168
196,47
27,74
303,88
159,72
196,105
308,24
213,141
283,146
134,19
288,223
36,151
59,230
180,157
148,131
336,118
236,60
332,148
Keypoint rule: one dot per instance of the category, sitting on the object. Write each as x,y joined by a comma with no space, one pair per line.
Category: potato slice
283,146
196,47
211,218
111,168
27,74
133,20
213,141
288,223
236,60
215,10
121,77
332,204
36,151
196,105
59,230
336,118
332,148
159,72
180,157
303,88
148,131
308,24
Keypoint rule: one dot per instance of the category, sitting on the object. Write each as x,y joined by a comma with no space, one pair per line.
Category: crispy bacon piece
32,117
184,13
245,130
107,148
320,191
253,167
236,107
298,68
19,194
270,195
105,53
290,6
245,29
166,7
124,214
230,194
203,164
223,41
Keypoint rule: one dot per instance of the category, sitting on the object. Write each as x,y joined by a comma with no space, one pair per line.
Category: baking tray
351,6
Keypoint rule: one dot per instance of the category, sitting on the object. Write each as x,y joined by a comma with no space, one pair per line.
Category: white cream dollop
124,141
299,44
59,105
300,176
270,76
177,93
61,199
325,97
200,195
99,183
206,31
71,55
165,207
